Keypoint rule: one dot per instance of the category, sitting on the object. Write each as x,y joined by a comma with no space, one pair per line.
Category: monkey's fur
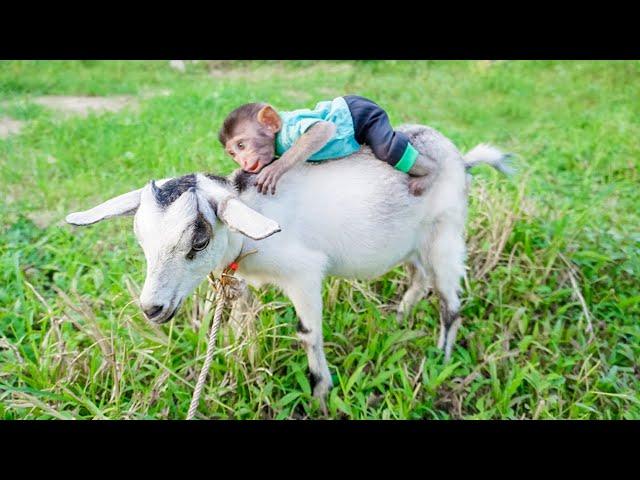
248,135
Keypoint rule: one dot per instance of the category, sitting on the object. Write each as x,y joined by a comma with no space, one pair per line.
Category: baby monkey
255,134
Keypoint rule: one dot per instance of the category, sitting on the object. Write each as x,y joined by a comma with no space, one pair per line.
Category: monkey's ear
268,117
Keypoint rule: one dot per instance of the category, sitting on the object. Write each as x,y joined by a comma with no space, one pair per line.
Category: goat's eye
200,244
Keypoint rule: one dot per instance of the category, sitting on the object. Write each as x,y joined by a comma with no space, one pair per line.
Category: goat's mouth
165,317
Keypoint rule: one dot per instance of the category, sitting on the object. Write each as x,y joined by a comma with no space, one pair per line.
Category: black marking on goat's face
171,190
202,230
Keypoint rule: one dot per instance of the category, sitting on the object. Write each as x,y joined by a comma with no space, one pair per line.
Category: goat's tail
485,153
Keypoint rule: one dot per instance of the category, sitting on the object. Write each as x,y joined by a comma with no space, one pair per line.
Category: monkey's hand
309,143
269,176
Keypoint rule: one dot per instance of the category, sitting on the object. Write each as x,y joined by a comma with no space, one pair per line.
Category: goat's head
183,226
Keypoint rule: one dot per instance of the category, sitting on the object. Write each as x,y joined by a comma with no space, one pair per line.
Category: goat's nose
153,311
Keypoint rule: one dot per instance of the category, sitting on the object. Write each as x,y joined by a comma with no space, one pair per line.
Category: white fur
485,153
353,217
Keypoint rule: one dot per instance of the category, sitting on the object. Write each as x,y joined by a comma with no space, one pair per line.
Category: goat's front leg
306,297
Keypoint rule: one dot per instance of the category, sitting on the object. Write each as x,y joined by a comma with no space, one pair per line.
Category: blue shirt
297,122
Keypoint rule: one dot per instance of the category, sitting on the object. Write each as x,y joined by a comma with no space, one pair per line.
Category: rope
225,291
221,300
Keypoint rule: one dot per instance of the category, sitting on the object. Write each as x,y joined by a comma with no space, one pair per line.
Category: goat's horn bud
156,191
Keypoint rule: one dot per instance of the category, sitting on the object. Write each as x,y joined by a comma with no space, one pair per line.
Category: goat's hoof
321,392
441,339
447,339
323,404
323,407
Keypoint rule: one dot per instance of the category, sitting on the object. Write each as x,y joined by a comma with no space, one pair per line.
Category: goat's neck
234,248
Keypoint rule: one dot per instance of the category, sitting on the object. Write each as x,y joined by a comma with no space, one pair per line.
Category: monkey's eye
240,146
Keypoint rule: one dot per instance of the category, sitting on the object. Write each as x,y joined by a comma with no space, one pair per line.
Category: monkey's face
249,134
252,146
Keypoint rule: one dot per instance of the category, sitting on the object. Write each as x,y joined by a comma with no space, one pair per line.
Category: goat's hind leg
446,260
419,286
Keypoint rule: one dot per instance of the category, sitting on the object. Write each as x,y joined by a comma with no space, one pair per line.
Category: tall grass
551,296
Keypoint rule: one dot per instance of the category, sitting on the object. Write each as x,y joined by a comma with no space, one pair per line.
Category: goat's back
357,212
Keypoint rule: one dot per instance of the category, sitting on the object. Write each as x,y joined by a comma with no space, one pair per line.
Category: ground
551,300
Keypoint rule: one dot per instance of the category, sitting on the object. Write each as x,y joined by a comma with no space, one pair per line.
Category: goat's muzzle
159,313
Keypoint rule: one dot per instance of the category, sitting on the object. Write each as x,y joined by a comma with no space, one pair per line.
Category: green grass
74,345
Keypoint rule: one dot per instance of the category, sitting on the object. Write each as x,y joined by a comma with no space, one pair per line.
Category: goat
350,218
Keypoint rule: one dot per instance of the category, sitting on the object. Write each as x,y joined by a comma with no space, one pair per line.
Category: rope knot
230,286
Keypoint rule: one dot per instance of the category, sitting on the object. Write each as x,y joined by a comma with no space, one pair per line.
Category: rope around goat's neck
211,343
220,286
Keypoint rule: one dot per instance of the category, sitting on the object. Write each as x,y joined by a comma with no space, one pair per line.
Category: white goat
352,218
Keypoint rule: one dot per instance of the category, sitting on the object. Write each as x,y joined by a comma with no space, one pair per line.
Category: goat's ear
125,204
238,216
234,213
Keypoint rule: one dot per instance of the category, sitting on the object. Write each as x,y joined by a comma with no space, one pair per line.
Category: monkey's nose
153,311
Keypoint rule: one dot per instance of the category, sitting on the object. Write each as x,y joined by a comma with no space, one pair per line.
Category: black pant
372,128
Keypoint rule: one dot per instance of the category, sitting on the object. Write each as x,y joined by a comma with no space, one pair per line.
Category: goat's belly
362,270
370,260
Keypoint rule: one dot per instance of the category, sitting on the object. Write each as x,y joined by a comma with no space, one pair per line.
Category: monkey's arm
309,143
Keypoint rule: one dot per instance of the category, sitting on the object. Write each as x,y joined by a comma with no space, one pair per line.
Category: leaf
303,381
341,405
287,399
354,377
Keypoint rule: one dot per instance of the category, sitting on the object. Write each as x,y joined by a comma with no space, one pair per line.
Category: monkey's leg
423,165
422,173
